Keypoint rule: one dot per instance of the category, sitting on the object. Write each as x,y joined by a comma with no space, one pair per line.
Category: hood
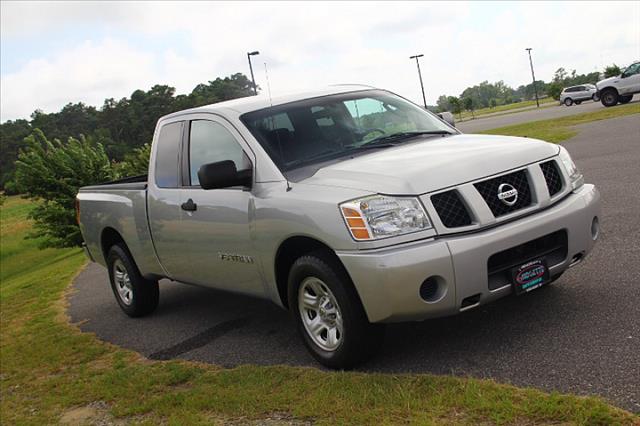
606,81
433,164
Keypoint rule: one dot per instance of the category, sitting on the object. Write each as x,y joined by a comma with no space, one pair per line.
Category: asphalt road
580,335
543,113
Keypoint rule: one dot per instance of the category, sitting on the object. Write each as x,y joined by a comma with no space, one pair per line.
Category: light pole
533,76
424,99
253,79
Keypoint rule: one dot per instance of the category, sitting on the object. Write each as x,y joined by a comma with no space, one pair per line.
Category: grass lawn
53,373
505,108
560,129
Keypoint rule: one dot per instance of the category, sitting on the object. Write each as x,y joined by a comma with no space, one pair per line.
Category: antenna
266,73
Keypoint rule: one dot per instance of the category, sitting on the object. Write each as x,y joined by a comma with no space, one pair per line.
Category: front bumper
388,280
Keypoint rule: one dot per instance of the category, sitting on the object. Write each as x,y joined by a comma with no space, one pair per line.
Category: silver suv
577,94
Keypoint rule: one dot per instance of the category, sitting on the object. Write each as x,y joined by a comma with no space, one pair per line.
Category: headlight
380,216
575,177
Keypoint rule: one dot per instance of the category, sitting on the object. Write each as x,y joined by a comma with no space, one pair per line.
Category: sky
53,53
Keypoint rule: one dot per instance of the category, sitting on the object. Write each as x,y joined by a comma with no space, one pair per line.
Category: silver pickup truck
351,207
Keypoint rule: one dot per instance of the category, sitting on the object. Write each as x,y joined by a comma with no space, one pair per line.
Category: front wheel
609,97
595,97
136,295
328,313
568,102
626,99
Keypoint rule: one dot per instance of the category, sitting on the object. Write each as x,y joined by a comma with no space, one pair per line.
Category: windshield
330,127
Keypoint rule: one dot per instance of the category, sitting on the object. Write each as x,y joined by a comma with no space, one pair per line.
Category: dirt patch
95,413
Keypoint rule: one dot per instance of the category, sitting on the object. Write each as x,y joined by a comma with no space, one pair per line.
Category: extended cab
351,207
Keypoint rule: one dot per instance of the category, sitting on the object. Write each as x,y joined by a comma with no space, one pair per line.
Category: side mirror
448,117
223,174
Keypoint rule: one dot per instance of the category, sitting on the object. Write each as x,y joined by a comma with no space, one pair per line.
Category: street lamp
424,99
253,79
533,76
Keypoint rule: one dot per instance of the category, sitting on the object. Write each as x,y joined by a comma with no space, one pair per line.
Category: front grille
451,209
552,177
489,191
553,247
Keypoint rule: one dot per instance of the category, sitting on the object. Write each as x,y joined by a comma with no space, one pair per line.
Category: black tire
609,97
578,102
568,102
595,97
359,339
625,99
144,294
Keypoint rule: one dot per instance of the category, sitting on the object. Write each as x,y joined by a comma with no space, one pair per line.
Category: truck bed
130,183
118,208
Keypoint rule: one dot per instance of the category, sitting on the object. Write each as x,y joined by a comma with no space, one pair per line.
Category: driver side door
217,222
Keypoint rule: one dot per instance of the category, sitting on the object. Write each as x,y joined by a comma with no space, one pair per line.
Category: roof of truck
262,100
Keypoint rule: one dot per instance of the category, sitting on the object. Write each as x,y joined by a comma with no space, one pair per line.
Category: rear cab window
167,165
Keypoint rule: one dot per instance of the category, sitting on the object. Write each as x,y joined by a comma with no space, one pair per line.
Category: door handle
189,206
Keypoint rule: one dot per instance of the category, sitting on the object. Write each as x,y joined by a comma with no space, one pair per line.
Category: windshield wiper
403,135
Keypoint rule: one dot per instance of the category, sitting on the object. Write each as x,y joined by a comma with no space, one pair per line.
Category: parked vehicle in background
577,94
620,88
350,207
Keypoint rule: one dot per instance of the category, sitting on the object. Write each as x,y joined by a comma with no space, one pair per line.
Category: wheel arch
108,238
291,249
609,88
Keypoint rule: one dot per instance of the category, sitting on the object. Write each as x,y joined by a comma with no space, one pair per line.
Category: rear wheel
625,99
328,313
568,102
609,97
136,295
578,102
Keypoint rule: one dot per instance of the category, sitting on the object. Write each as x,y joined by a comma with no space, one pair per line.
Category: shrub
135,163
51,172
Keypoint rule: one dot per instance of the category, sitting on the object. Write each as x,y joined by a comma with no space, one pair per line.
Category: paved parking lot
580,335
544,113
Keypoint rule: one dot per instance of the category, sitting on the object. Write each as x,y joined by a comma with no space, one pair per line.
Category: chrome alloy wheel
320,314
122,282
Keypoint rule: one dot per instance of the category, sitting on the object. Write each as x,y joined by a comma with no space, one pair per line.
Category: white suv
620,88
577,94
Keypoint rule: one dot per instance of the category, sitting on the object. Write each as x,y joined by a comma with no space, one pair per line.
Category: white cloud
306,44
88,72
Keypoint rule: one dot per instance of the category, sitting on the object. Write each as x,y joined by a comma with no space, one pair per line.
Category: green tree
612,71
468,105
554,89
12,134
493,103
135,163
456,106
560,75
443,103
51,173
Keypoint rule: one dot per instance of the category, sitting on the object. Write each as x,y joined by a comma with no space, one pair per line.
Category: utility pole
253,79
535,88
424,99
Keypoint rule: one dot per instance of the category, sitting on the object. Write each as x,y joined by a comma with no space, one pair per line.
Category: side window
167,155
210,142
632,69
